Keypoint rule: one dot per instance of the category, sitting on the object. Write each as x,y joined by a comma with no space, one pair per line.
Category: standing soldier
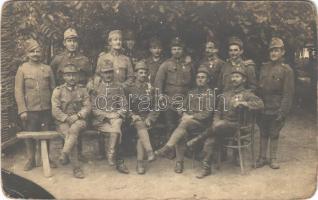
71,55
155,59
131,50
212,62
70,107
34,83
140,94
109,111
197,116
174,77
122,65
235,61
276,88
226,117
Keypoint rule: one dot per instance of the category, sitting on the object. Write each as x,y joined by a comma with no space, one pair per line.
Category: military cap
235,40
70,68
155,42
31,44
141,65
239,70
276,43
203,69
113,33
129,35
177,42
107,66
70,33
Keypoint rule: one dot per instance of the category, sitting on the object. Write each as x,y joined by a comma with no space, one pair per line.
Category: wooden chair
41,136
243,138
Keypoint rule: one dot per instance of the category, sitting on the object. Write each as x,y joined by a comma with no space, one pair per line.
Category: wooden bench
43,136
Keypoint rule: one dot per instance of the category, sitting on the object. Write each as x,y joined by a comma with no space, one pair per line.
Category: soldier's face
176,51
35,54
108,76
71,44
71,78
202,79
235,51
141,75
237,79
156,51
130,44
276,54
115,42
210,49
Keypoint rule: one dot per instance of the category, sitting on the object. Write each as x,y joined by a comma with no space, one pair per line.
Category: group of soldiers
109,98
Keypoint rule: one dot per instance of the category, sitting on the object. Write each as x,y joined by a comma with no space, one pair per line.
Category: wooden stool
43,136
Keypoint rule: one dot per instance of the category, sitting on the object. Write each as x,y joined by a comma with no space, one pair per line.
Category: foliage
255,22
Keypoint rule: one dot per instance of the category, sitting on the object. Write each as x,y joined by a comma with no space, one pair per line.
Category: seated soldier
109,111
196,116
70,106
140,95
226,117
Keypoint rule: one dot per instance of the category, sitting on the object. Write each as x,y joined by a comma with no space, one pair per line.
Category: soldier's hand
24,116
279,117
71,119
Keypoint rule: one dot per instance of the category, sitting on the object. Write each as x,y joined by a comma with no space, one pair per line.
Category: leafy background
254,22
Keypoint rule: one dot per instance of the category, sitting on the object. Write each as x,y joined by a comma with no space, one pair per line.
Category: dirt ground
296,179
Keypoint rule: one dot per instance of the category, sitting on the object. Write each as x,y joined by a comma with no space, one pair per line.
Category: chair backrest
247,119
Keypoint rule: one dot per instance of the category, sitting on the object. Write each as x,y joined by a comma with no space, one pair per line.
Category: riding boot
262,153
205,166
273,154
111,150
30,149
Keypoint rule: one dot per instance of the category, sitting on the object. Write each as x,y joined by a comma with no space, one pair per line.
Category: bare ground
296,179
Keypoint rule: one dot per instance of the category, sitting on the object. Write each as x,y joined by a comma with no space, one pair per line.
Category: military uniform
226,118
135,54
137,93
276,88
68,101
153,68
174,77
109,111
214,65
247,65
196,104
80,61
34,83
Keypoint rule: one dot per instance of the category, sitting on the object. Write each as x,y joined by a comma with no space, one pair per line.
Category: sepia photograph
159,100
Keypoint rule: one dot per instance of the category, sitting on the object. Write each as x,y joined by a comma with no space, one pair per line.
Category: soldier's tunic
33,90
108,101
174,77
214,65
276,88
79,60
248,65
66,102
123,69
153,68
196,105
227,116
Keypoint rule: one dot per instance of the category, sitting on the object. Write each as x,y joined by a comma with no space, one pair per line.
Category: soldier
122,65
131,50
235,60
196,116
213,63
140,94
226,117
174,77
34,83
70,107
276,88
109,111
71,55
155,59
